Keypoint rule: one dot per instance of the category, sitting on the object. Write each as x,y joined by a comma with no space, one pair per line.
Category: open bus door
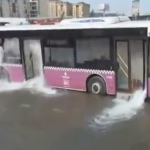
32,58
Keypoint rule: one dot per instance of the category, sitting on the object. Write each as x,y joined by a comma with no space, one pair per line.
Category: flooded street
65,122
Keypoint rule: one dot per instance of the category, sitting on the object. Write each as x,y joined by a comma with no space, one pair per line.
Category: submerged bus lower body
101,82
95,81
98,65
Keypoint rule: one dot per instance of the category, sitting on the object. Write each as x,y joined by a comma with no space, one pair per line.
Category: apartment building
81,10
33,8
59,9
66,9
24,8
38,8
52,9
1,12
9,8
12,8
42,8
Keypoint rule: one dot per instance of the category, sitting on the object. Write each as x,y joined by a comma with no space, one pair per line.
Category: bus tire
96,85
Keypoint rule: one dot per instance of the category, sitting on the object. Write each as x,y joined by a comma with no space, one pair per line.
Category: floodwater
64,121
36,118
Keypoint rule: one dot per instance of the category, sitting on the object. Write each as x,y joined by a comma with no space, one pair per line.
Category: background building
33,8
66,9
59,9
42,8
24,8
80,10
135,8
103,8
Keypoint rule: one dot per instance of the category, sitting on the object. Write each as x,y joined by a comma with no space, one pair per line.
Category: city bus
101,58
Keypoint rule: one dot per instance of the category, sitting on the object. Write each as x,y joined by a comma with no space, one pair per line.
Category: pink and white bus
102,57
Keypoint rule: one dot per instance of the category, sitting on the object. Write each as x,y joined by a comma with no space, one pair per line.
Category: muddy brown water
63,122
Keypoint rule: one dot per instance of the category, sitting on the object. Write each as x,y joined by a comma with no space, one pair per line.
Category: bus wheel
96,85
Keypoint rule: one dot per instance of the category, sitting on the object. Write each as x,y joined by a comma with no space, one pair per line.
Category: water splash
38,85
122,109
35,85
7,87
34,49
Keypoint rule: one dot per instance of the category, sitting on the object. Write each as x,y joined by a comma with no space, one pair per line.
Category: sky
120,6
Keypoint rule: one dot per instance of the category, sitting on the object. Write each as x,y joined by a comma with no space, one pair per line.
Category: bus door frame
22,54
117,39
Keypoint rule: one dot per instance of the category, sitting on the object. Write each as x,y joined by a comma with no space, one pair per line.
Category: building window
34,7
13,7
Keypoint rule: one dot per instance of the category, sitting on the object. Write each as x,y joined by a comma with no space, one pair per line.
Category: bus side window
11,51
93,53
57,55
62,57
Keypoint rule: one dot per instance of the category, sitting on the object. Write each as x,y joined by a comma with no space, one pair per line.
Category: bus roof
128,24
94,25
107,20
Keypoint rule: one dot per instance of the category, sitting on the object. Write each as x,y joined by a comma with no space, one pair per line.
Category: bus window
93,54
11,51
59,56
85,21
62,57
97,20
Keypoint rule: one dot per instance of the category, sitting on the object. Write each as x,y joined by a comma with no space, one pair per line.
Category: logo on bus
65,76
109,77
66,81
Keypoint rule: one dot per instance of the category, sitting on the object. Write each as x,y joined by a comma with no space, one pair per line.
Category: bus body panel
15,72
75,79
